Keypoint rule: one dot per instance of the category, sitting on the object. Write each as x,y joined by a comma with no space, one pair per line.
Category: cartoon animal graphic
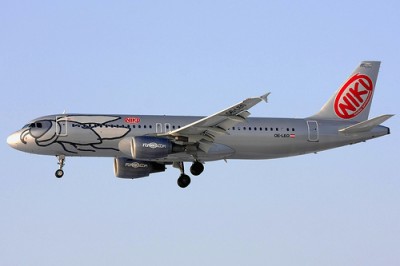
96,131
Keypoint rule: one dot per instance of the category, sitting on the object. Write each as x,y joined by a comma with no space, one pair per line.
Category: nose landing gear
61,162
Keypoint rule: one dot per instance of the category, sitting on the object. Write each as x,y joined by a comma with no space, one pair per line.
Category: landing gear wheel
197,168
61,162
59,173
183,181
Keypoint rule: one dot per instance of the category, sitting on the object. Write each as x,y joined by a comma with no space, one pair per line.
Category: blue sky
339,207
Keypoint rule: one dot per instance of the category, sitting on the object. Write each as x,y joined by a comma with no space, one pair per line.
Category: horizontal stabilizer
365,126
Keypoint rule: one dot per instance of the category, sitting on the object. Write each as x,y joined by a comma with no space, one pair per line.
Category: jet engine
128,168
146,148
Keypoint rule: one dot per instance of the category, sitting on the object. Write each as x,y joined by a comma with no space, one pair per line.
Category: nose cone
14,140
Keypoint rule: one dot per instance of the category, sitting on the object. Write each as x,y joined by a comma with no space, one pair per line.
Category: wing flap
214,130
215,148
230,121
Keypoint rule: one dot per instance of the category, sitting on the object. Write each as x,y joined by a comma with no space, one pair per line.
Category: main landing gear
61,162
196,169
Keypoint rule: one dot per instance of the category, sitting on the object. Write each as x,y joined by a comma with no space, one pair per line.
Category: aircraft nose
13,140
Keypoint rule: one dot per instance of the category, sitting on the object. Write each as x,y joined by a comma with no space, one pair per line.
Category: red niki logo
132,120
354,96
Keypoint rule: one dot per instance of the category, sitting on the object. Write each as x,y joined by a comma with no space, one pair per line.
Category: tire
59,173
197,168
183,181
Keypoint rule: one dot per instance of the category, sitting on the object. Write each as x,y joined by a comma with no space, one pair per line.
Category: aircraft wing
205,130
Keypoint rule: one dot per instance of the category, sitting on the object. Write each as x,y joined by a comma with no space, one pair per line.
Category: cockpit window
34,125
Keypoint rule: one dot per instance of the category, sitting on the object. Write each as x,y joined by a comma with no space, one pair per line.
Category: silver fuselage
257,138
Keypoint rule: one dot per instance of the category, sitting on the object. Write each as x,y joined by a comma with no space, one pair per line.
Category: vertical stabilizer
352,101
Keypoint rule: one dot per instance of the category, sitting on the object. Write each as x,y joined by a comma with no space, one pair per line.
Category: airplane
145,144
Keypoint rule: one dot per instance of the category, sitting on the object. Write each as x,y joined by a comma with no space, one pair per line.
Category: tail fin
352,101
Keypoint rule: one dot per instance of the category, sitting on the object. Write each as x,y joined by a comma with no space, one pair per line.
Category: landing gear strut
61,162
183,180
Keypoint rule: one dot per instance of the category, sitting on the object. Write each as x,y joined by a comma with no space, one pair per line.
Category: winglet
265,97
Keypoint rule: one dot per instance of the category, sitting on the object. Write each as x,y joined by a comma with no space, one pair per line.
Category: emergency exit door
313,133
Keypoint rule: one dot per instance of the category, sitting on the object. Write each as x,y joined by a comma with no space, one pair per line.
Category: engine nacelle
128,168
146,148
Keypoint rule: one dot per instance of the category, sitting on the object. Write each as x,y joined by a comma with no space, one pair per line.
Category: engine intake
146,148
128,168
